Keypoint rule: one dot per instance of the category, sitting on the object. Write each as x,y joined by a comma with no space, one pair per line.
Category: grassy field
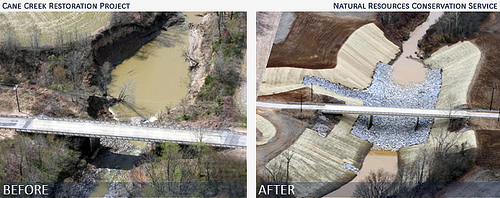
52,26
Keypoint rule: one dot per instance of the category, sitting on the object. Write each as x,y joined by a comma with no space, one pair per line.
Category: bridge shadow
110,160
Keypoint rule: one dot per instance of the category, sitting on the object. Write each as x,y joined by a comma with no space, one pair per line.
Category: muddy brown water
375,160
407,69
157,76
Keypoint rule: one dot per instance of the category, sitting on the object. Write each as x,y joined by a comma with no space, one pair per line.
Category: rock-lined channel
390,132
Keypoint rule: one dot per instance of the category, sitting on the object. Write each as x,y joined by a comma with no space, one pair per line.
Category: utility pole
17,98
491,100
416,123
370,122
301,103
312,93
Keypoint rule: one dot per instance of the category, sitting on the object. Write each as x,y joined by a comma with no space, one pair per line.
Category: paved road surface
350,109
122,131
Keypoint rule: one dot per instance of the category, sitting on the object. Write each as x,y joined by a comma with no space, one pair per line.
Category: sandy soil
6,134
266,129
458,60
308,147
314,41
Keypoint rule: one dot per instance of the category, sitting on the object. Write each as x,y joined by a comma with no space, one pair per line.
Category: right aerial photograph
378,104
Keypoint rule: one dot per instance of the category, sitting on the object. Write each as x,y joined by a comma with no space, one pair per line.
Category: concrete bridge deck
90,128
390,111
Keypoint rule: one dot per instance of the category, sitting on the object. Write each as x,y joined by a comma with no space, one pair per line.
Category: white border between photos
251,7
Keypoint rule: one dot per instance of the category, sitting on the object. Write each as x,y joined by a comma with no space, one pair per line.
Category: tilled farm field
52,28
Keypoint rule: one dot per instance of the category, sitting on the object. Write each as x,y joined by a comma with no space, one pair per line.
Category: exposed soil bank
156,76
124,38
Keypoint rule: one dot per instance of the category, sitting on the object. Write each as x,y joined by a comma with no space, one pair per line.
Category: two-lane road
87,128
391,111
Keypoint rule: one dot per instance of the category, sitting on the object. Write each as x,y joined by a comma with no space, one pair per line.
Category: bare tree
75,61
105,77
444,141
279,171
288,154
376,184
11,44
35,37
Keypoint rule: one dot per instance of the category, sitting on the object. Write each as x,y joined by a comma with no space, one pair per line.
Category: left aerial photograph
123,104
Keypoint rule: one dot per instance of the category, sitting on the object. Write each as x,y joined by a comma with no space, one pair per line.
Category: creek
156,77
407,68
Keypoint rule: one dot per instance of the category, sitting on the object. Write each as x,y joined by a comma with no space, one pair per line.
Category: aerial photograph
124,104
381,104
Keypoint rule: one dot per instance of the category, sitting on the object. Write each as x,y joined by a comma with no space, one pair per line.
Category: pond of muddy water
157,76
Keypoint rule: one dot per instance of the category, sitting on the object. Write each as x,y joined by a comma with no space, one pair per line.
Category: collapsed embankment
125,37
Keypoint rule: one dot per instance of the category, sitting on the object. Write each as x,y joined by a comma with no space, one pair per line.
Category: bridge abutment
95,143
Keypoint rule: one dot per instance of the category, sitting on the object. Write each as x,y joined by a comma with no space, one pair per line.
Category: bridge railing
121,137
141,125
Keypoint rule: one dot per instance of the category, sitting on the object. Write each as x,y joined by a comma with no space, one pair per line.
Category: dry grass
459,63
52,25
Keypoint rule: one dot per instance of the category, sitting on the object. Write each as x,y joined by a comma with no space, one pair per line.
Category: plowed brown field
313,41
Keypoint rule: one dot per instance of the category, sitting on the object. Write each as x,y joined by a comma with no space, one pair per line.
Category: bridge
117,130
389,111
